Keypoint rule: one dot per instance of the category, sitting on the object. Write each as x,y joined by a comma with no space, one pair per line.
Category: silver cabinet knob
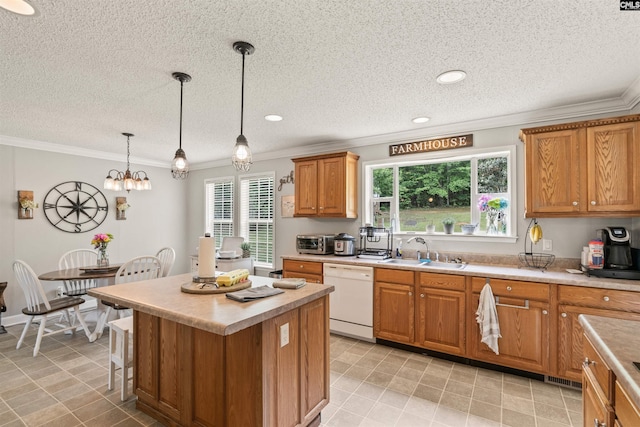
606,298
301,266
564,315
575,203
597,423
545,312
593,203
410,293
421,295
509,288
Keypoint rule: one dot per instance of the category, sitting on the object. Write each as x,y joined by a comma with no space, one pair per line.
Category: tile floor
371,385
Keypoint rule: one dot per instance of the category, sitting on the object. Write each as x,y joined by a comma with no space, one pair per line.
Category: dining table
102,275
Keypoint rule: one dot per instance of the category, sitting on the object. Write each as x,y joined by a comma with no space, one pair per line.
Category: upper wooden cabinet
327,185
584,168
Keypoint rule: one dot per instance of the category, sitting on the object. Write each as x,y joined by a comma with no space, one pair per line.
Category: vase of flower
492,221
496,216
100,242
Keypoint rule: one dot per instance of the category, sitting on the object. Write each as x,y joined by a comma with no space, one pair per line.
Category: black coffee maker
617,248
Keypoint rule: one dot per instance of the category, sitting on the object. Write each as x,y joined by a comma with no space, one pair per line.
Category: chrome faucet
424,242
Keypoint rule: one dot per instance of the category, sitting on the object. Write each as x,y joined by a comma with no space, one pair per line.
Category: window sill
459,237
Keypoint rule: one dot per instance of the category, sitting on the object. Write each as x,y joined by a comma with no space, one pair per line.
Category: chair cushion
56,304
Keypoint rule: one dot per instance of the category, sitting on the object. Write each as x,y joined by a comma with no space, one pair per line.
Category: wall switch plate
547,245
284,335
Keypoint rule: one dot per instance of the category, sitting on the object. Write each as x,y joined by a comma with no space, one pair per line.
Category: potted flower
100,242
28,205
430,227
246,249
448,224
121,209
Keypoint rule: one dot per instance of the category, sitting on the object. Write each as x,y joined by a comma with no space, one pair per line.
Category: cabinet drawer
626,412
442,281
601,372
599,298
394,276
512,288
311,278
308,267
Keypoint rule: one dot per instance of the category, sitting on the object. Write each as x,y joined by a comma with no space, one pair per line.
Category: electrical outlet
547,245
60,292
284,335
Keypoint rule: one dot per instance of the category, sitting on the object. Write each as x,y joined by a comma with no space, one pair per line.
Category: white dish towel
487,318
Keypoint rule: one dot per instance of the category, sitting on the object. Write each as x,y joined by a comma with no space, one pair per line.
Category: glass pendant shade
241,158
180,165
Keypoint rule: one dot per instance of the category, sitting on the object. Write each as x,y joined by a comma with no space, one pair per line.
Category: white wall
568,235
155,219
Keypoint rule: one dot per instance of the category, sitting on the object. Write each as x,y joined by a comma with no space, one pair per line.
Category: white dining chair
40,307
135,270
167,257
74,259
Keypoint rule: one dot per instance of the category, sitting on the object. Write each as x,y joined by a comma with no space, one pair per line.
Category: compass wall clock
75,207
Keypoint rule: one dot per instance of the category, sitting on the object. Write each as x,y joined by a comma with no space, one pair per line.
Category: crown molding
77,151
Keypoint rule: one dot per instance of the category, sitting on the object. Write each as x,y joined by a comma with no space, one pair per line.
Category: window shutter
219,208
256,216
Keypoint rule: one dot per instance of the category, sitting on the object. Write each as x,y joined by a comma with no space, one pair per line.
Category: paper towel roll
207,257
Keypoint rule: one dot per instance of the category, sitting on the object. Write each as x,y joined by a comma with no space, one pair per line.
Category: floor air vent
562,382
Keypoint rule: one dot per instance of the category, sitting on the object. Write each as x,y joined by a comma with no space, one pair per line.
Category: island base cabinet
275,373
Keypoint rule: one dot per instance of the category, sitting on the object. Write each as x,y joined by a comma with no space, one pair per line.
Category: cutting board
210,288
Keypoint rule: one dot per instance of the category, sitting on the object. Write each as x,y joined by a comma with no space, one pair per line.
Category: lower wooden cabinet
394,305
441,313
524,325
185,376
309,270
596,410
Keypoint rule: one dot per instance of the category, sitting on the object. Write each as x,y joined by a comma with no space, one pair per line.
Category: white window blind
256,216
219,208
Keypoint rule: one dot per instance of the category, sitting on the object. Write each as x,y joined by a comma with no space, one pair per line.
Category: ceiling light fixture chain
180,165
127,180
241,158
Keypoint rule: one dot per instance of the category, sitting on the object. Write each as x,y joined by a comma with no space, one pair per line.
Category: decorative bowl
468,229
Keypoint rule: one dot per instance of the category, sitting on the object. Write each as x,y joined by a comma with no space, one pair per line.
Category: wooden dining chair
135,270
167,257
74,259
39,306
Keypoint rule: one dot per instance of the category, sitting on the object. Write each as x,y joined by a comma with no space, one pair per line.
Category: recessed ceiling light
453,76
20,7
272,118
420,120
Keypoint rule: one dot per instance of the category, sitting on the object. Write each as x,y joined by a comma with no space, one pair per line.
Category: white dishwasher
351,304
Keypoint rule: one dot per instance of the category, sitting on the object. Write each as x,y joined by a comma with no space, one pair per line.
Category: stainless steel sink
401,261
422,263
442,265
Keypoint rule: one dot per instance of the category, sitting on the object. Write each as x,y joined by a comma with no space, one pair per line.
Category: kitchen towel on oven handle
487,318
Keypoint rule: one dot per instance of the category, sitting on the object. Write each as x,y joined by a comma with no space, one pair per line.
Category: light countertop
618,343
486,270
210,312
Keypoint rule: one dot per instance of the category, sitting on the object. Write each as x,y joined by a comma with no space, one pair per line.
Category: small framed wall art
121,208
26,205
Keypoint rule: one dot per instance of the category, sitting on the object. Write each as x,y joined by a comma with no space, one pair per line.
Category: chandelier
127,180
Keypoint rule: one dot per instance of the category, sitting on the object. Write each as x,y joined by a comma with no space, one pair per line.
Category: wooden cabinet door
525,335
552,178
441,325
612,166
306,191
596,410
331,186
570,337
394,312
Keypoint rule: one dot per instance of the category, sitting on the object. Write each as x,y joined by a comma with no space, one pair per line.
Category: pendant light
180,165
127,180
241,158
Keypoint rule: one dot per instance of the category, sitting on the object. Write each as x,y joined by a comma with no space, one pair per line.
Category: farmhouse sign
460,141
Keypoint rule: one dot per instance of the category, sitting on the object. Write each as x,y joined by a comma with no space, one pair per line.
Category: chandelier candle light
127,180
241,158
180,165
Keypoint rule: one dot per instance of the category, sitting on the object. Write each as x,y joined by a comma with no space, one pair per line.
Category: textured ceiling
81,72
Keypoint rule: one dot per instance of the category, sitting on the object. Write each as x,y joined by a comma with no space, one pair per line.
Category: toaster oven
319,244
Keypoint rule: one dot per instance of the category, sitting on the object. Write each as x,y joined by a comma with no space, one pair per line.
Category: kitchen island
205,360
